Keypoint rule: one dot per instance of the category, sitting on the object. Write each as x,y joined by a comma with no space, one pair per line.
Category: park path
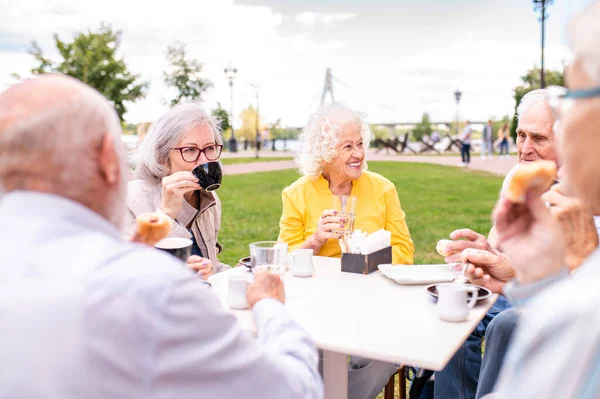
497,166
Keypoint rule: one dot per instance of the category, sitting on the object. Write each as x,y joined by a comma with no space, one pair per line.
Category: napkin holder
366,264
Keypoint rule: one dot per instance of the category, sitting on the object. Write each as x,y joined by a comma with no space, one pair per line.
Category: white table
365,315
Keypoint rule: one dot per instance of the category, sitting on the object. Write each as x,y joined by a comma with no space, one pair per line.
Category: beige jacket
144,196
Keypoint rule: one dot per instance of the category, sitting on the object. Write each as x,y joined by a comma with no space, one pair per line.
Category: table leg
335,375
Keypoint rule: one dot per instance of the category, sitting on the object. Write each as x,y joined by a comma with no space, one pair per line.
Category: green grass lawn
436,199
234,161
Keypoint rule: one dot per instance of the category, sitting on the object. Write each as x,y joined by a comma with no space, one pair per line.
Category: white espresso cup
236,293
302,262
452,302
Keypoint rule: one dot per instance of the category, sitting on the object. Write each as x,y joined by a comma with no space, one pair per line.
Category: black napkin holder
366,264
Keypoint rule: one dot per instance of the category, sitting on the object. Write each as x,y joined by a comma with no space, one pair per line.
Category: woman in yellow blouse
333,161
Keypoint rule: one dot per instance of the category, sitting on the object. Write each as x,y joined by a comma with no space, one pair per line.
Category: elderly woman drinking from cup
176,171
333,161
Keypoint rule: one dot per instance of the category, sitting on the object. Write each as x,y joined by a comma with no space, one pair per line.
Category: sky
394,60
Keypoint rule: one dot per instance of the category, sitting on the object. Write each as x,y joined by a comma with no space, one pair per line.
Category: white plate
419,274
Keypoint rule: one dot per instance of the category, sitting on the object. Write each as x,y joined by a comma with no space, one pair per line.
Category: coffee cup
301,261
236,293
452,304
209,175
177,246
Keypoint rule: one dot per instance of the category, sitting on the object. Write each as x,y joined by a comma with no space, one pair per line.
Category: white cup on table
236,292
301,261
452,304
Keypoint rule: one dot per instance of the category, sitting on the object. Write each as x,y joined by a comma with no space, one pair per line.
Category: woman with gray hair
182,139
333,161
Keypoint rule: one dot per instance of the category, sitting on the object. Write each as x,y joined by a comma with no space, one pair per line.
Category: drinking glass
269,255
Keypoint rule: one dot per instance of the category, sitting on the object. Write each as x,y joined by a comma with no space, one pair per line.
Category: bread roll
152,227
442,248
531,176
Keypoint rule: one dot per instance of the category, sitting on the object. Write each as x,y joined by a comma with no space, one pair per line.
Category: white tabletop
368,315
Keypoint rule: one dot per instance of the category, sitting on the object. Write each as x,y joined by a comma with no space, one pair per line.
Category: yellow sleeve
403,249
291,225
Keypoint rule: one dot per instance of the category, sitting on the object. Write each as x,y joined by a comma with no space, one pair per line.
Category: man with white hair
555,351
86,314
535,141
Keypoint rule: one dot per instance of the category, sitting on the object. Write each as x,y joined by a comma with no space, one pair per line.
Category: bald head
53,137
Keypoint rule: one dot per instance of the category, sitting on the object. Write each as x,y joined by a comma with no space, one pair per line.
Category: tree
531,81
423,128
223,117
379,132
184,75
92,58
248,128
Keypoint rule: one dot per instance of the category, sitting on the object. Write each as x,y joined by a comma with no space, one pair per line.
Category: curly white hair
320,137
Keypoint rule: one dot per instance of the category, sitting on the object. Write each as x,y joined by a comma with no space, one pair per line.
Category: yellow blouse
377,207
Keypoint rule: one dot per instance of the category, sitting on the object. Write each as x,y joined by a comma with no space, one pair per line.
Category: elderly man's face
350,158
580,140
535,135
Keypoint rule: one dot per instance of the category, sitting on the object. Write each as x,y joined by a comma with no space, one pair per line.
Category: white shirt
555,351
466,134
84,314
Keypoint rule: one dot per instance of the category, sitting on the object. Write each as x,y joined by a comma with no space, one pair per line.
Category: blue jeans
465,152
460,377
497,338
504,147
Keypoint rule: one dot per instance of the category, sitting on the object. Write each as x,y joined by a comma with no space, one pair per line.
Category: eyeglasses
192,154
561,100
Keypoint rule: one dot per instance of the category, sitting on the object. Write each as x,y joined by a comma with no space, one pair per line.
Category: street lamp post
256,86
230,74
540,5
457,95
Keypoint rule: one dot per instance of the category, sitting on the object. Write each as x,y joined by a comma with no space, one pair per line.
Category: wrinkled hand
576,222
173,189
266,285
202,266
328,221
461,240
530,237
487,269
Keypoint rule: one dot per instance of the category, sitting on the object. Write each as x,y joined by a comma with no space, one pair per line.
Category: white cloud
393,76
311,18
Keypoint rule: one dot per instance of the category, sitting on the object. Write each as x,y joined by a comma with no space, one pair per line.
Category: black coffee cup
178,247
209,175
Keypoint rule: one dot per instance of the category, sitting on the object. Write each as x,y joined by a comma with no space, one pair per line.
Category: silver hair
530,99
151,158
57,143
320,137
583,36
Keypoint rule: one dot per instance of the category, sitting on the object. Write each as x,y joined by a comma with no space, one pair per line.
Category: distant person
486,141
503,137
435,137
465,137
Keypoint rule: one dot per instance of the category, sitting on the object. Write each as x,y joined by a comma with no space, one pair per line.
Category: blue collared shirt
84,314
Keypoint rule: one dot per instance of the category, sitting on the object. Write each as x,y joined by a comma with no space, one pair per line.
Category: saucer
483,293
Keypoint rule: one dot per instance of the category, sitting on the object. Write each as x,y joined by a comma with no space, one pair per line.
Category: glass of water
270,256
345,205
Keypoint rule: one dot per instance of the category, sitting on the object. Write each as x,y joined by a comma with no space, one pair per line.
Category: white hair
57,143
320,137
151,158
530,99
583,36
